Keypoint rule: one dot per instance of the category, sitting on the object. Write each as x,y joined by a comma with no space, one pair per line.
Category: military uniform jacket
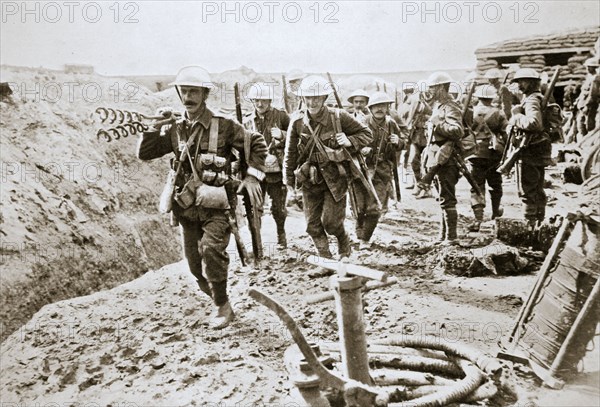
450,126
263,125
334,174
154,144
489,122
418,111
585,97
539,150
382,148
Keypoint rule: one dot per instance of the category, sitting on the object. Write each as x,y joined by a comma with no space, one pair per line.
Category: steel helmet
260,90
493,73
526,73
295,74
438,78
358,92
378,98
314,85
193,76
593,62
485,92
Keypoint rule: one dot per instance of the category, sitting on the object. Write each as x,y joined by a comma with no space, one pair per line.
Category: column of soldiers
314,151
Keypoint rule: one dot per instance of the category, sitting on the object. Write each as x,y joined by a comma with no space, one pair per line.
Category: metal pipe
485,362
450,394
351,327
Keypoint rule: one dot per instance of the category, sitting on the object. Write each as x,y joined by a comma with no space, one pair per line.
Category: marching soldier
381,158
527,121
272,123
315,160
417,116
489,126
359,100
447,125
200,194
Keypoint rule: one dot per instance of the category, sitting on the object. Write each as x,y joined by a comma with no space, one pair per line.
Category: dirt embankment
77,214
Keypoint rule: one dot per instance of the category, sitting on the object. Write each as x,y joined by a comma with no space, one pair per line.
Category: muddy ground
146,342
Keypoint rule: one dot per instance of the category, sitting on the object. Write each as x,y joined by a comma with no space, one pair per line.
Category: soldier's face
314,104
380,110
524,85
436,92
261,105
193,98
359,103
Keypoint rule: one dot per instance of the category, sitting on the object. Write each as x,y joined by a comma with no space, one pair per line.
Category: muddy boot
322,246
223,314
497,209
451,227
344,248
476,224
281,238
364,245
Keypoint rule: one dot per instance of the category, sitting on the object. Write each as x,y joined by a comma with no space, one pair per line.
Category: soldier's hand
169,118
276,133
366,151
343,140
434,119
252,186
165,111
291,191
394,139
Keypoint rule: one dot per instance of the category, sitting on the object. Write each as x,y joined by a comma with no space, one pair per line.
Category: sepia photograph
300,203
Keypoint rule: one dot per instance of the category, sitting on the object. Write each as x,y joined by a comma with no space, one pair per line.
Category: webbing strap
213,139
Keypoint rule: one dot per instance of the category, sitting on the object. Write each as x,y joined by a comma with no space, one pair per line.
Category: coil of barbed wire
125,122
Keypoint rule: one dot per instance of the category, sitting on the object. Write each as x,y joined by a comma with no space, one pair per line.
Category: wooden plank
543,51
352,269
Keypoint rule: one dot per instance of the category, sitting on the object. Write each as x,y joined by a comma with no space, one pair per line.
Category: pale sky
273,36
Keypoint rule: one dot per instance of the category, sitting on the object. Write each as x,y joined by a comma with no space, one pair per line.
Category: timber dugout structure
544,53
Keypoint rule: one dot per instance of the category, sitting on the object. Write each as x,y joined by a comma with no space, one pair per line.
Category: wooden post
351,327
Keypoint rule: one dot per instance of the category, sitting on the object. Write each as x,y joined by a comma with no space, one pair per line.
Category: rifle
358,167
252,213
286,103
337,97
231,187
396,179
468,100
462,166
509,159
